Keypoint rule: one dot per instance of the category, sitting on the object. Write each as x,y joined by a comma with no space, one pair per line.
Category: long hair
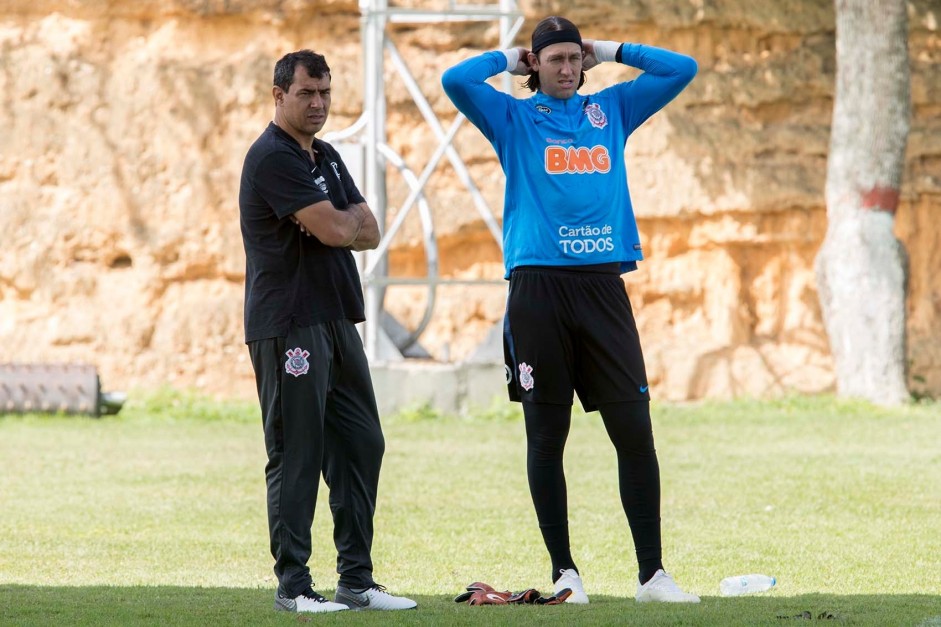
549,24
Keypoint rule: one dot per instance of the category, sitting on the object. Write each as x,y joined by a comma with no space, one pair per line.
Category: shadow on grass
172,605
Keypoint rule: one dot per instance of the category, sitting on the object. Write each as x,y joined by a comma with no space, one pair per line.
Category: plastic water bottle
745,584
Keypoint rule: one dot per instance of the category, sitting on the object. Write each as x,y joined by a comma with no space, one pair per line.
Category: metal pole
374,265
373,104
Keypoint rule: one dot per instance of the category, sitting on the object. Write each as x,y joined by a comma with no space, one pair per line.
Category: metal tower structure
366,151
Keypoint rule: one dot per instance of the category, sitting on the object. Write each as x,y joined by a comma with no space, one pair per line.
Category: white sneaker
374,598
570,579
661,587
308,601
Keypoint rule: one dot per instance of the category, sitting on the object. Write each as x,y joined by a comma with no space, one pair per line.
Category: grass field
157,517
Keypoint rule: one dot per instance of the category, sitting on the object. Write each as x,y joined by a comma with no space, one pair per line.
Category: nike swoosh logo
360,599
643,389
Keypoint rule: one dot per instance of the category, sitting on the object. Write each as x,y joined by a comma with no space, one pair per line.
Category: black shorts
572,330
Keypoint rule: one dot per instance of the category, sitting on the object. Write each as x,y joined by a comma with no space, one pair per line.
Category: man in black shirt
301,215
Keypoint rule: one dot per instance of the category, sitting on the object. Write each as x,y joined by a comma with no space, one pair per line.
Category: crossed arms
354,227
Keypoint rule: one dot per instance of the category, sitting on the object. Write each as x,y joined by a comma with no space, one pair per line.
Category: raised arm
466,86
665,75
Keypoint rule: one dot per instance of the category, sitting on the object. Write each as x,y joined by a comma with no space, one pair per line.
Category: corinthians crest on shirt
595,115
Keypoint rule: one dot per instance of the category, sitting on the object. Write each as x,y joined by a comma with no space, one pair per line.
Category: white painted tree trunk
861,267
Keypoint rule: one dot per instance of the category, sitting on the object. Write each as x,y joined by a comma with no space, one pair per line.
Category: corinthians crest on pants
297,363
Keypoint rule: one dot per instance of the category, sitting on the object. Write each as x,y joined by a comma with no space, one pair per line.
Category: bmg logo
580,160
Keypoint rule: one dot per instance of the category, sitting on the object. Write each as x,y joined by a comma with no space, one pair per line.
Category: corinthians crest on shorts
526,376
297,363
595,115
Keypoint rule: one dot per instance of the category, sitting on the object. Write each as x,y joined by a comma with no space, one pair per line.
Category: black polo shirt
292,278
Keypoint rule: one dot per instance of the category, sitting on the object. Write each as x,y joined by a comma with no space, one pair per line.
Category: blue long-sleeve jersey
566,201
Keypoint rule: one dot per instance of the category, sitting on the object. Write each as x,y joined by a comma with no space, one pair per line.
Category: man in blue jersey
569,232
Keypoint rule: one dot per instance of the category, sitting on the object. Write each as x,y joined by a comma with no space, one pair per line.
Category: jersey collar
569,105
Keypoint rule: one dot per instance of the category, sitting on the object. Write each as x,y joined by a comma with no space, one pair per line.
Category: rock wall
125,124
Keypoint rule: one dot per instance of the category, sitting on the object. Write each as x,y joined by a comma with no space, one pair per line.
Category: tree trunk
861,267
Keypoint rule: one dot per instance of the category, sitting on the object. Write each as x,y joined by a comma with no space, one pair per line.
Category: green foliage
169,404
416,413
157,516
499,410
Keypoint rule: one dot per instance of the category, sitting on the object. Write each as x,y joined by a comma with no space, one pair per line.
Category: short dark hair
551,23
315,64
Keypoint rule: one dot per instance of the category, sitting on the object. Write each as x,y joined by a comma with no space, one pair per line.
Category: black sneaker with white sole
307,601
372,598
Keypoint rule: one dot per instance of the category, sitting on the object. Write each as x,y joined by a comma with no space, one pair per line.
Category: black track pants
319,416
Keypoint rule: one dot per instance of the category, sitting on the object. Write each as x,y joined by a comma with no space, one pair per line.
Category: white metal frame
370,133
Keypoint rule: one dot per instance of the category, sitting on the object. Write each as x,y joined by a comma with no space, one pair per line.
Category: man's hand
301,226
368,236
589,60
523,68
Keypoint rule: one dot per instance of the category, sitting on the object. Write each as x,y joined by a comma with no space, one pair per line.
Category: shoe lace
668,584
310,594
375,586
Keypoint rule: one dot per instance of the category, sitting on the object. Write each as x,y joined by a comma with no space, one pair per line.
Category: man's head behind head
556,53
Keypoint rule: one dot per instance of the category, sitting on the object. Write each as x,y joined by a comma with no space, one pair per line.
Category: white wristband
512,58
606,51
